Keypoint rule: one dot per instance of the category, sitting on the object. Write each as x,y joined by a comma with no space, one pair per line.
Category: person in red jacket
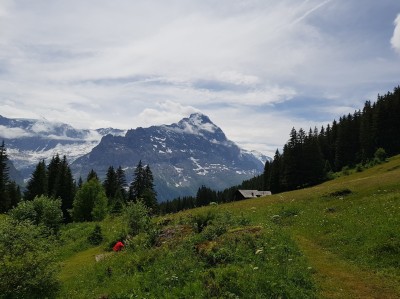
118,246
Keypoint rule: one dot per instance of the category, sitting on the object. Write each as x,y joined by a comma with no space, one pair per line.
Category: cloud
6,132
166,113
395,40
93,63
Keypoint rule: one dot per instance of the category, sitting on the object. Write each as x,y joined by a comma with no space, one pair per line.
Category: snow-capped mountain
182,156
30,140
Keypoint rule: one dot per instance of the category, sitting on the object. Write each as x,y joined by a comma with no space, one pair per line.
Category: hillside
336,240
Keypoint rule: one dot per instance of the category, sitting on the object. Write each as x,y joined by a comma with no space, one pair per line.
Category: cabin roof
253,193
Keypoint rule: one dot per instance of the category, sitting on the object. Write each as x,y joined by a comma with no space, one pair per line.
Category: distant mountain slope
182,156
30,140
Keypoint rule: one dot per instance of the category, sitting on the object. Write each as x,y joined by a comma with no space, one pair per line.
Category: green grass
340,239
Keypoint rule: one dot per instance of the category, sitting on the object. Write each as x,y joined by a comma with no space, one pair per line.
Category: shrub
380,155
340,193
137,218
28,268
42,210
96,236
201,220
346,170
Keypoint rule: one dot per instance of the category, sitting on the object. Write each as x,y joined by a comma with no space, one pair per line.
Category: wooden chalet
246,194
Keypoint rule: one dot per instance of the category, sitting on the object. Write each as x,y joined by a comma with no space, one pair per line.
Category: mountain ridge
182,155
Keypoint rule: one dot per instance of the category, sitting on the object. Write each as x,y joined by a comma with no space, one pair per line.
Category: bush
201,220
380,155
137,218
42,210
28,268
346,170
96,236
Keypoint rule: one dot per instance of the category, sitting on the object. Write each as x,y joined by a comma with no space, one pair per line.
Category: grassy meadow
340,239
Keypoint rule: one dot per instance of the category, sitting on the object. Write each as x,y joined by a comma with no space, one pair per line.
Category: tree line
308,158
82,200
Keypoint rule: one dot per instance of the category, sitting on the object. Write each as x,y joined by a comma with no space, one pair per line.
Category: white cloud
6,132
395,41
96,63
166,113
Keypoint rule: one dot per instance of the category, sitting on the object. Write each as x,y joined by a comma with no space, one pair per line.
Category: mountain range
182,156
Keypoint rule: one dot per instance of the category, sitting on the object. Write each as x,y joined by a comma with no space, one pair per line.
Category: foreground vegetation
336,240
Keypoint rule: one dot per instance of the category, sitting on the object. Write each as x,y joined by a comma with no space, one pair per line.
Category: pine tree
149,195
37,184
110,183
313,171
53,174
276,170
5,202
66,189
92,175
121,179
80,183
367,133
14,193
61,184
291,159
142,187
138,185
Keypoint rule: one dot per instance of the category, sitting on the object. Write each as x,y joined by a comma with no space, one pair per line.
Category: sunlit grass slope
340,239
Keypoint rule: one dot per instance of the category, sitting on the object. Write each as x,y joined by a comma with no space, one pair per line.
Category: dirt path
337,278
72,265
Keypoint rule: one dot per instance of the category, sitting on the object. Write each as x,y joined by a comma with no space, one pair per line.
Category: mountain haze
30,140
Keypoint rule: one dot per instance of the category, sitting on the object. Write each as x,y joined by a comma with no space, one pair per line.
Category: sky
257,68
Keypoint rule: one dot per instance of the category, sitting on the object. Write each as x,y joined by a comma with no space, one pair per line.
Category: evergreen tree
114,186
204,196
80,183
138,185
60,183
267,175
291,159
142,187
313,171
92,175
37,184
367,133
14,193
121,179
53,174
5,202
110,184
66,189
149,195
276,169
